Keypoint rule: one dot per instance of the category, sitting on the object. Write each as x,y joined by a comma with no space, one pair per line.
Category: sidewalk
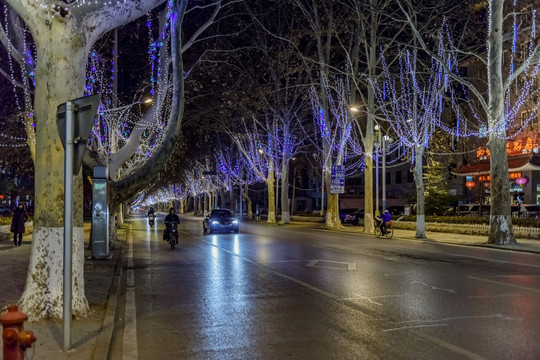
523,244
98,275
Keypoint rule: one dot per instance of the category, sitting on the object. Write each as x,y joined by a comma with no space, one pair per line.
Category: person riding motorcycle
384,218
151,211
169,219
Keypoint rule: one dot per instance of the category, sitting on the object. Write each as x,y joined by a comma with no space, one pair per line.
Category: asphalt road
297,292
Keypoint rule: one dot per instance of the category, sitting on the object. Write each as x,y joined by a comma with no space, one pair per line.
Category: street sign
85,109
337,184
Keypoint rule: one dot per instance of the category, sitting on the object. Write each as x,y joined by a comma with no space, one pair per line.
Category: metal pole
68,224
241,203
377,178
322,193
384,172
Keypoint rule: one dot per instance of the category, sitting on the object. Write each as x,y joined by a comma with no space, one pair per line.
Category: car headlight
215,222
235,222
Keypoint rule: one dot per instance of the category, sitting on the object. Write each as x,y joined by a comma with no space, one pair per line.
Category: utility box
100,218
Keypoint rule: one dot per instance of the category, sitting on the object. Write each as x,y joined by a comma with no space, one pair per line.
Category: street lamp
377,145
386,138
145,101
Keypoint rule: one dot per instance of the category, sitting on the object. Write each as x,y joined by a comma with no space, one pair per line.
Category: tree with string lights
63,35
511,87
259,146
411,100
333,129
63,43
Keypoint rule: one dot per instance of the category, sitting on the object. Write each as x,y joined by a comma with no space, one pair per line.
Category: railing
468,229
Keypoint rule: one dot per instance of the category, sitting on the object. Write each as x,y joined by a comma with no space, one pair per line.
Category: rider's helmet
386,210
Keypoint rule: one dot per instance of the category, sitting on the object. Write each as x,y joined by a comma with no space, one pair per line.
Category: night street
294,291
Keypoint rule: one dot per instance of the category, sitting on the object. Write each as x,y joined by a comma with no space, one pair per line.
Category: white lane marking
492,316
370,299
493,296
318,263
505,284
129,344
432,287
414,327
399,274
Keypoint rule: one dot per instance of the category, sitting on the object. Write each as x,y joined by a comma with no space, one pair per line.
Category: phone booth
100,213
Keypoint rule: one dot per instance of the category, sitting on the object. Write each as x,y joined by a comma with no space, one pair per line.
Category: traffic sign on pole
84,112
74,120
337,184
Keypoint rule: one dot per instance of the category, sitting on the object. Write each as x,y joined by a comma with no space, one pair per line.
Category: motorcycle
151,219
173,234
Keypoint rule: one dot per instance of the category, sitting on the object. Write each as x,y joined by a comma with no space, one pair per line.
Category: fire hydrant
14,337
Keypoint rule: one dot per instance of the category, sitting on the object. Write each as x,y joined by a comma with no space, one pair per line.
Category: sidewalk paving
523,244
91,336
98,275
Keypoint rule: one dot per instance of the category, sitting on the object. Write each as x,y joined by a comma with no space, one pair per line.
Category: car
353,218
529,211
344,212
220,220
5,211
396,210
472,210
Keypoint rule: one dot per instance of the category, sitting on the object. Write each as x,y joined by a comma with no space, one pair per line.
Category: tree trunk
501,231
271,196
120,214
249,203
285,212
60,75
369,223
420,195
232,199
332,207
182,205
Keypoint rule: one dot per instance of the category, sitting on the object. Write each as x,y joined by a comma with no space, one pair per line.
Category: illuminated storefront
523,172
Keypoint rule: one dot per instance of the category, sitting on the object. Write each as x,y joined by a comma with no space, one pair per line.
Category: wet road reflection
292,292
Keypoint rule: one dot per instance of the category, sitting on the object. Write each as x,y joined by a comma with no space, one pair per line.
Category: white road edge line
129,343
504,284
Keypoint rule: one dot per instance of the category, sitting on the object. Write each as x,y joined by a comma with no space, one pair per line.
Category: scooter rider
151,211
169,219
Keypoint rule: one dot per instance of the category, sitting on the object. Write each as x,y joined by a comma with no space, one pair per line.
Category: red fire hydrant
14,337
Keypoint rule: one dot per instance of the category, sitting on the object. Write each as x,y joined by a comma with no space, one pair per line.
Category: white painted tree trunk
420,192
501,231
369,222
59,74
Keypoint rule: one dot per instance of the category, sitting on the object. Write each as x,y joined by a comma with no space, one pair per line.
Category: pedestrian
17,224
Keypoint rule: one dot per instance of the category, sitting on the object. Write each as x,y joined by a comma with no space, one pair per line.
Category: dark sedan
220,220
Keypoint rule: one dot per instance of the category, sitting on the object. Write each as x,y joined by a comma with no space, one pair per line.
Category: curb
104,340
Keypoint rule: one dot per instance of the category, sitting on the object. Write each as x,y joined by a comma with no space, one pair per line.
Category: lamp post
386,138
377,145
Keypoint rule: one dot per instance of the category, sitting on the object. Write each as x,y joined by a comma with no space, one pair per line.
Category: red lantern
521,181
470,184
1,197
